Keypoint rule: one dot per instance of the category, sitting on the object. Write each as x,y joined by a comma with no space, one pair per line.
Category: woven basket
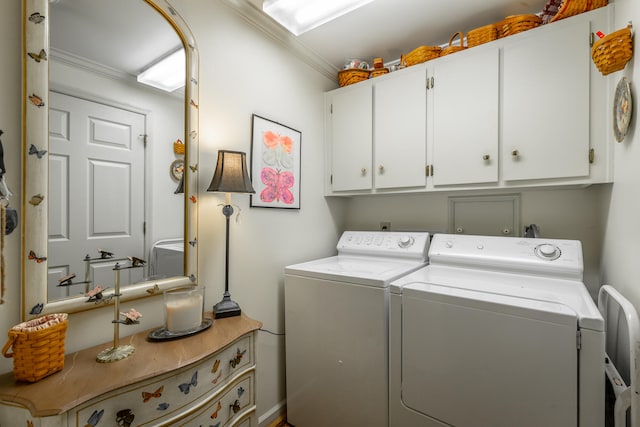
422,54
612,52
482,35
451,48
574,7
515,24
378,72
38,347
352,75
178,147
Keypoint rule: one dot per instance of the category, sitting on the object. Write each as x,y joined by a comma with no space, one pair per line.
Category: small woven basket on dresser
612,52
376,72
482,35
453,48
517,23
352,75
37,347
421,54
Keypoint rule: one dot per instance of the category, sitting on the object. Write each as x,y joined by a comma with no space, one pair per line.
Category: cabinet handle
381,168
486,157
515,154
363,171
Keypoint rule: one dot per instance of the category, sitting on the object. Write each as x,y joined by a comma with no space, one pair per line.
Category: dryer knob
405,241
547,251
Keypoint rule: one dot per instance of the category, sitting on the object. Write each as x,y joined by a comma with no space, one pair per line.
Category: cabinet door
465,119
400,126
351,130
546,103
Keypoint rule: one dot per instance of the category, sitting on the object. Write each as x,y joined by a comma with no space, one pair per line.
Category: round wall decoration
622,108
177,169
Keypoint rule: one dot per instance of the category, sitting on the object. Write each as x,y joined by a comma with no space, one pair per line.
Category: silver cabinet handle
381,168
363,171
515,154
486,157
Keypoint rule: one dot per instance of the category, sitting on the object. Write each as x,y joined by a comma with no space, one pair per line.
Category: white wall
621,209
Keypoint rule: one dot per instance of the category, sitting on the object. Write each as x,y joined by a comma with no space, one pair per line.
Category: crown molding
276,32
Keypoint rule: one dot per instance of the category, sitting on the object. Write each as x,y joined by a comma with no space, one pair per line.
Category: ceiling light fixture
167,74
299,16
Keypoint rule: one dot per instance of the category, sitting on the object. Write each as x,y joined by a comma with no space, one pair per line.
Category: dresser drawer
235,406
164,397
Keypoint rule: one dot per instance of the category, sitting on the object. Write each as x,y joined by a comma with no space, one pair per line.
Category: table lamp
230,176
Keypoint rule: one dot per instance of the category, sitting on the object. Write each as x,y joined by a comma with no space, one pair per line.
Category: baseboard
275,416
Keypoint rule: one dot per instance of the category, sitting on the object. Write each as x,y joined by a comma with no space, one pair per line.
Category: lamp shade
231,175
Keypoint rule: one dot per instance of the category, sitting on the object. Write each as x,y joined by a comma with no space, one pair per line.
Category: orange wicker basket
178,146
451,48
482,35
574,7
422,54
378,72
515,24
612,52
38,347
352,75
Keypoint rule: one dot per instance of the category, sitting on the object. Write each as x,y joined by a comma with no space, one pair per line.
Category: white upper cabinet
528,110
351,135
545,103
399,130
465,118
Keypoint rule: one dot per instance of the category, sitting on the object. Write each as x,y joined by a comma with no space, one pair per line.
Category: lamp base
226,307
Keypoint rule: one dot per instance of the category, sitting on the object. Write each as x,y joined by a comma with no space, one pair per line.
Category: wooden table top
83,378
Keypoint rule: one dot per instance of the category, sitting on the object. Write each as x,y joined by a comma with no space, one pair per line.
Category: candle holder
183,313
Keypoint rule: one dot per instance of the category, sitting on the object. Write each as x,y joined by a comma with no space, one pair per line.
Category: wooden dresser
205,379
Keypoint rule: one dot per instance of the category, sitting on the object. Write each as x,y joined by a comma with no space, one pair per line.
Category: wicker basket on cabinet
515,24
352,75
482,35
452,48
574,7
612,52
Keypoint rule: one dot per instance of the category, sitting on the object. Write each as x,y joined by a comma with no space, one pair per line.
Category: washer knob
405,241
548,251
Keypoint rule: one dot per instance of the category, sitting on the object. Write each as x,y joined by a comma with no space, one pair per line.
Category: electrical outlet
385,226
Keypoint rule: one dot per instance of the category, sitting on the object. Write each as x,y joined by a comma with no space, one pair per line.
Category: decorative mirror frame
35,168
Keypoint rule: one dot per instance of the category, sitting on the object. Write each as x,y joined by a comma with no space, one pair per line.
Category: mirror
54,84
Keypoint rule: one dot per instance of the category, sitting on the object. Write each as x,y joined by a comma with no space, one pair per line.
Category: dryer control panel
409,245
557,257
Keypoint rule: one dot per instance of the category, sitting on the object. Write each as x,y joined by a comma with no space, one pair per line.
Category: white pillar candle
183,310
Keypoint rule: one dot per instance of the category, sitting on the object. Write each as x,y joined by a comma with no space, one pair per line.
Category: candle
183,308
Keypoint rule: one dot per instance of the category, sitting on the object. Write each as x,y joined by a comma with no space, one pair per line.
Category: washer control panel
514,254
411,245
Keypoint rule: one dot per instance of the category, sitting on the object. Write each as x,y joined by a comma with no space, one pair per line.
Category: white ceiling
128,35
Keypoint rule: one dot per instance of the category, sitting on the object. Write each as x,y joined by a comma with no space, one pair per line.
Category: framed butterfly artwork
275,164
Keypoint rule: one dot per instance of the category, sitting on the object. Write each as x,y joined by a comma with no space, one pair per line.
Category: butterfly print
124,418
37,309
155,290
34,257
136,262
193,199
105,254
163,406
217,378
236,406
36,100
236,360
34,150
192,102
42,56
36,200
146,396
240,391
215,414
95,418
184,387
193,242
277,186
278,150
36,18
215,367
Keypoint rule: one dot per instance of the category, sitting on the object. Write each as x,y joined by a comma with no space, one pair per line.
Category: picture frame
275,164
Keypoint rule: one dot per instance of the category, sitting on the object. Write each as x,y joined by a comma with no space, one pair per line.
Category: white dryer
496,332
336,320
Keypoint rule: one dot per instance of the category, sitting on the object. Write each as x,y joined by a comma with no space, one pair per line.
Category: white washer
336,319
496,332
